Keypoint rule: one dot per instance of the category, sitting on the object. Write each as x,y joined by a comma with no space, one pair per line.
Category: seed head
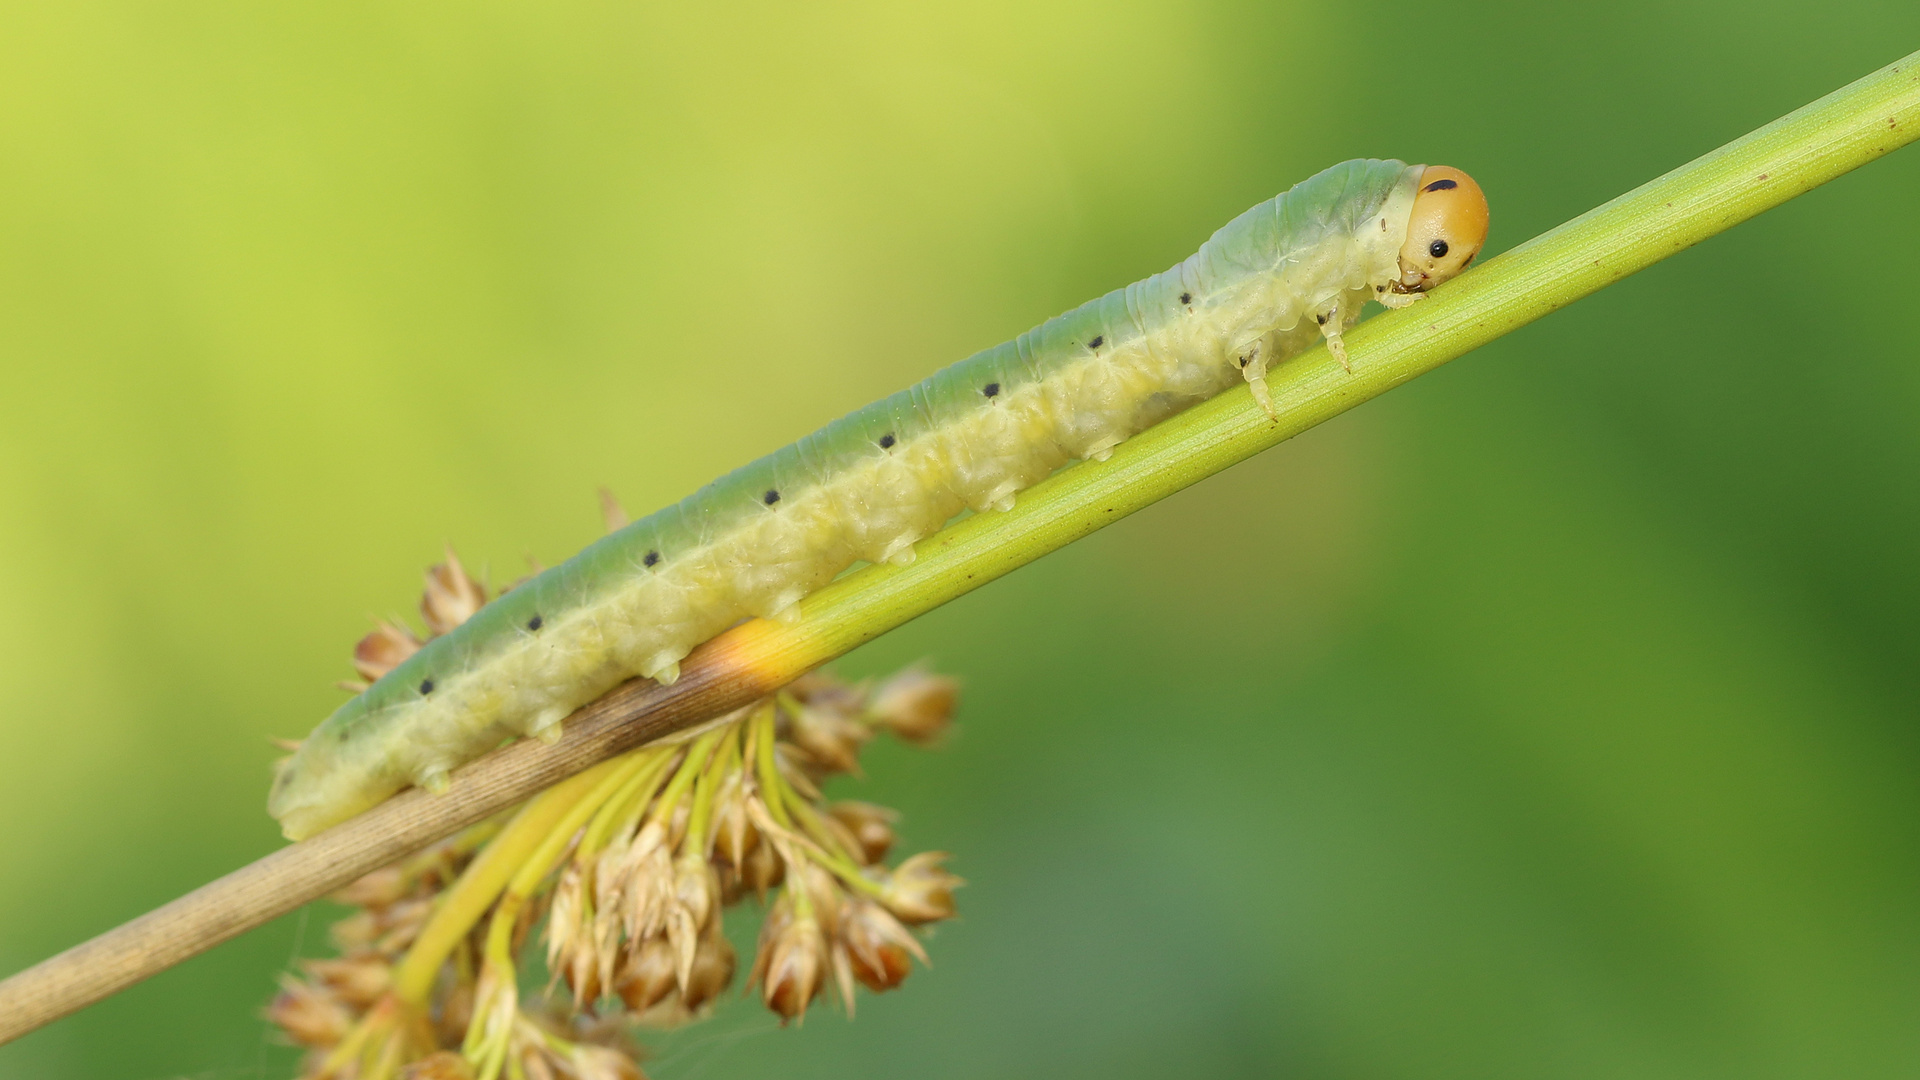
796,966
383,650
589,1062
535,1065
451,596
359,981
639,912
309,1015
379,889
695,888
826,692
648,976
733,833
878,947
921,890
641,883
612,514
870,826
831,740
763,869
916,705
440,1065
570,938
400,923
825,896
456,1012
711,972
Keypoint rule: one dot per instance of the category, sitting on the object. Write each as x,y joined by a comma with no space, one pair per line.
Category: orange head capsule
1446,230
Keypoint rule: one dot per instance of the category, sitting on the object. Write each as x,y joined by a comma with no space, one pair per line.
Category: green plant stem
1832,136
1792,155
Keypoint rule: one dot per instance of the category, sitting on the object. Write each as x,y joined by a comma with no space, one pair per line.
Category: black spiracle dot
772,496
652,558
1441,185
992,389
426,686
1098,340
1437,249
1186,298
886,441
535,623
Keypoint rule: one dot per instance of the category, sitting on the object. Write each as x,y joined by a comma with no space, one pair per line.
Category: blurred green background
1553,716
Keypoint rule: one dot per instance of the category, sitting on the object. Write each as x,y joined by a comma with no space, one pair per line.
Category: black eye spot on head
534,623
992,389
886,441
1441,185
1098,340
652,559
426,686
1438,249
1186,298
770,497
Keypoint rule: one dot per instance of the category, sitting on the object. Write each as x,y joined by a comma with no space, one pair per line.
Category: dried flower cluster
625,872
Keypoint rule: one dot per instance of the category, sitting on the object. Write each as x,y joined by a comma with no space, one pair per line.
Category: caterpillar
1271,283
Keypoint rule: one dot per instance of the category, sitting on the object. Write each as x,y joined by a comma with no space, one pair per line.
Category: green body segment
863,488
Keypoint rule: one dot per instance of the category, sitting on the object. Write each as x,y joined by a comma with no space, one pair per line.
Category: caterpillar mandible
1271,283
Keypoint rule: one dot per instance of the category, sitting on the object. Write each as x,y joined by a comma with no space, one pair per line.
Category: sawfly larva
1268,285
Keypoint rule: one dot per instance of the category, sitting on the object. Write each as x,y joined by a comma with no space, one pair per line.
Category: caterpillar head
1446,230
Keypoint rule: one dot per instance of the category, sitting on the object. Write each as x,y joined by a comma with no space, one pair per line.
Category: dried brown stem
715,680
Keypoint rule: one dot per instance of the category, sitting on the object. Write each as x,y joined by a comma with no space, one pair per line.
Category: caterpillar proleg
1268,285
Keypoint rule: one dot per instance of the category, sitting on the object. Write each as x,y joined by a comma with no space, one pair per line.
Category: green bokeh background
1552,716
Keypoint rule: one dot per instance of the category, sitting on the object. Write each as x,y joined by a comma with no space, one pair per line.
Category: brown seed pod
916,705
451,597
383,650
796,968
648,976
921,890
763,869
309,1015
879,948
870,826
712,972
440,1065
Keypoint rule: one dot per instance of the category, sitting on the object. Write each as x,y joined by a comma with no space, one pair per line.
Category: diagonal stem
1807,148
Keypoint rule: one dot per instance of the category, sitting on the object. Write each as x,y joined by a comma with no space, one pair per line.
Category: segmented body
864,488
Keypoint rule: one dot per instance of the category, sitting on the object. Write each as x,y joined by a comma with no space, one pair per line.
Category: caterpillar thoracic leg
1332,324
1254,367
